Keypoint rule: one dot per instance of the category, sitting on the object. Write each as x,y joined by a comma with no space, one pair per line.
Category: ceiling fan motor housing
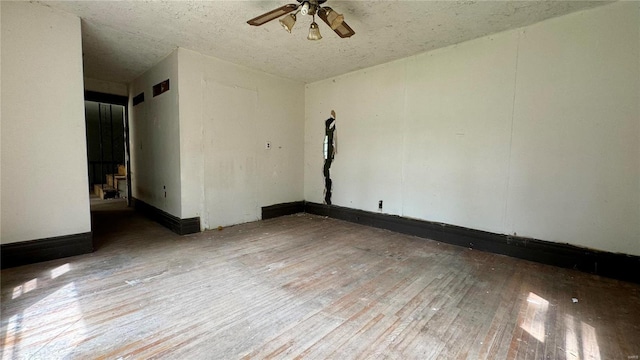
317,2
310,7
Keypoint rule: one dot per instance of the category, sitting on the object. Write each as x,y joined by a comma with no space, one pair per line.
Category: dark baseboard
33,251
613,265
174,223
272,211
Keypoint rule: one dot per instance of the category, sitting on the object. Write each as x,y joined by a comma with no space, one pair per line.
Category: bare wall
44,191
534,132
227,115
154,128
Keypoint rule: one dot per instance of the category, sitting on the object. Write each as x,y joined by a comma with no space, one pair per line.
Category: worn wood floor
304,286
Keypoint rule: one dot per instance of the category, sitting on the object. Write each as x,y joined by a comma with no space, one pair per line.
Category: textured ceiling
122,39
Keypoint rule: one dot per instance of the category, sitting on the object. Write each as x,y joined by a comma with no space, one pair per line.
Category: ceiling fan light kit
304,8
314,32
307,7
333,18
288,21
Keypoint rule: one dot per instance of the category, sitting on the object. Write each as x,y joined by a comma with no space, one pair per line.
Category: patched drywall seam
513,112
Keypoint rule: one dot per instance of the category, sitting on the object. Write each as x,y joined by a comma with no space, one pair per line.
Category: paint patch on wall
329,150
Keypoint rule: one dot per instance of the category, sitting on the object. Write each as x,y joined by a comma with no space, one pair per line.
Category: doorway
107,134
108,164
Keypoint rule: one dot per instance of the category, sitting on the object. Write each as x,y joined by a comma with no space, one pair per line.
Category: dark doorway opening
108,165
107,146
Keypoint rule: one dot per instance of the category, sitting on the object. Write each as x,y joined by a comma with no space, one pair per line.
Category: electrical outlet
380,205
268,145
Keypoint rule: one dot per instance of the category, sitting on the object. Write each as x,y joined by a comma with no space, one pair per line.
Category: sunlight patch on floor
590,347
24,288
535,317
10,339
62,269
55,320
580,334
571,339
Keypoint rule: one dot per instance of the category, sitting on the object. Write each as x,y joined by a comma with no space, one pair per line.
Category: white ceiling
122,39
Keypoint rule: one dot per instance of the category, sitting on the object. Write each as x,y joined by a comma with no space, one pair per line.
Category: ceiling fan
307,7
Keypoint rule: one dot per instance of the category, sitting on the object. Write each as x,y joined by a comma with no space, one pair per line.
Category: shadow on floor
110,217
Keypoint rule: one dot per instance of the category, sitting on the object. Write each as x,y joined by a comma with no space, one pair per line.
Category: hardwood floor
304,286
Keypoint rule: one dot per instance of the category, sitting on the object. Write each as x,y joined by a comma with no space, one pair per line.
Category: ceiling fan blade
273,14
343,30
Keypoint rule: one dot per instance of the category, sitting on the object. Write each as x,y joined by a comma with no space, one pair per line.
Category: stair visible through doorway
115,186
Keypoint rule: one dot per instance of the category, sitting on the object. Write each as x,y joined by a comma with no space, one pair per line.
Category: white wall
576,131
216,100
534,131
205,142
44,166
154,128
